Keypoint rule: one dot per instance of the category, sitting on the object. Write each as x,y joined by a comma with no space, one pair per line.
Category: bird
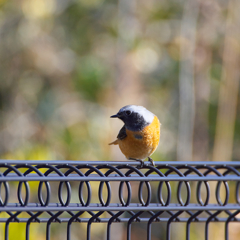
140,134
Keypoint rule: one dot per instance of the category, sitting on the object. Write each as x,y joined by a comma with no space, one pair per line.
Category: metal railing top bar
96,178
107,191
114,163
117,208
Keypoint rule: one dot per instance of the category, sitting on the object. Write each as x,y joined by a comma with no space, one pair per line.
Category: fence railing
75,192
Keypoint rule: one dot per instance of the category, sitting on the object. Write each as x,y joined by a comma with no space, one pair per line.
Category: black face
133,120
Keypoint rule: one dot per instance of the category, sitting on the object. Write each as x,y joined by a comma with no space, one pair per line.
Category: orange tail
114,142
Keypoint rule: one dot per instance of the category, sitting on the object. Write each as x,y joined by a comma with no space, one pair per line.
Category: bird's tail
114,142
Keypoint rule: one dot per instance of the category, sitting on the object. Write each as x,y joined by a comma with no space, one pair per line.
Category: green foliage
90,77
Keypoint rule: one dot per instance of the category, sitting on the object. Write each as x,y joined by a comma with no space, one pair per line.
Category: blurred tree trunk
202,92
186,81
228,92
128,84
210,15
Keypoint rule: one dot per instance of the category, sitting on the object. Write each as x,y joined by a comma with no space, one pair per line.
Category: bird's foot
139,160
152,162
141,165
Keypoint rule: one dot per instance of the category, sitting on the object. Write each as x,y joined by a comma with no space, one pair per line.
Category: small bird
140,134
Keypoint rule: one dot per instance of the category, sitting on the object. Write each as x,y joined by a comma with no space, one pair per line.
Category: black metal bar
116,207
122,220
117,179
117,163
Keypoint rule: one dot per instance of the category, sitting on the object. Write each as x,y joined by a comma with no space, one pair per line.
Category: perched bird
139,137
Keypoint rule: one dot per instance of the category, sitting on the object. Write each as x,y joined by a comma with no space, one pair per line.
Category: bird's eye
128,113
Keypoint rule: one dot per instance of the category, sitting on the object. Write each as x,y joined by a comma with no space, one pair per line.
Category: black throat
135,122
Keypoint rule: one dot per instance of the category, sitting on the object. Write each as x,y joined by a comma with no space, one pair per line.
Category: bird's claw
152,162
139,160
141,165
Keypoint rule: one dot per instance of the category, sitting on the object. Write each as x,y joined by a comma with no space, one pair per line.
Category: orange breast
142,144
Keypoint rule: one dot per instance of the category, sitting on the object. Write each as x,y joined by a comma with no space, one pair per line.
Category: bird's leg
152,162
139,160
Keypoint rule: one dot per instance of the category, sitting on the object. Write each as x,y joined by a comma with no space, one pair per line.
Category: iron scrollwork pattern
92,192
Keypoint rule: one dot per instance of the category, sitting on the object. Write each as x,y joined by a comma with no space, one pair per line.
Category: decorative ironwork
65,191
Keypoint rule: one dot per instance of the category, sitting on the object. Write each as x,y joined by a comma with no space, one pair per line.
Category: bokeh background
67,65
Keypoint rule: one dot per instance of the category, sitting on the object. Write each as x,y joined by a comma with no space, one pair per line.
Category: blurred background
67,65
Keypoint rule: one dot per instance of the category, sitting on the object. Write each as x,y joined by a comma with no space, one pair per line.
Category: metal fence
74,192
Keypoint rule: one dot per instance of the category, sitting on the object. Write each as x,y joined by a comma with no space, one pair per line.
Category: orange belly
144,144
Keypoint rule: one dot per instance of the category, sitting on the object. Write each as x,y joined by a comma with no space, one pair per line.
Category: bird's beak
114,116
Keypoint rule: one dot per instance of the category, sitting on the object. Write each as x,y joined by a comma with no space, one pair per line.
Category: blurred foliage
67,65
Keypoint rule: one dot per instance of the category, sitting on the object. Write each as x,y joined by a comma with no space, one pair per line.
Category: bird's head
135,117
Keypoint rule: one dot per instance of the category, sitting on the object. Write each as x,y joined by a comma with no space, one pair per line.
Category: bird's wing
122,133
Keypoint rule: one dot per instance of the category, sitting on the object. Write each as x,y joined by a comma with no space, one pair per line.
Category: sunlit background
67,65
